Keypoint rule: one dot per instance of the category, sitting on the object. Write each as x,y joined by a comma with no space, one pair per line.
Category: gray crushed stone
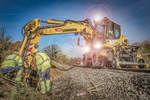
110,85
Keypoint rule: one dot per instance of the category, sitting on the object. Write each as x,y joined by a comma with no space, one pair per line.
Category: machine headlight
98,45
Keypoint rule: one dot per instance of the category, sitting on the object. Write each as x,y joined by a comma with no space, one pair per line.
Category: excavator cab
110,29
113,31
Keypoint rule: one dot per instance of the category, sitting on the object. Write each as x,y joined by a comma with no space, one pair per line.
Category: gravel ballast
88,84
101,84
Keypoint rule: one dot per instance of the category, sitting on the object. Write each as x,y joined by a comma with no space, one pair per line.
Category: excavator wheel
113,63
89,63
141,61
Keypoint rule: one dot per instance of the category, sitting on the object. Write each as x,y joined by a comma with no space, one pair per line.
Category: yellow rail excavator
105,44
110,48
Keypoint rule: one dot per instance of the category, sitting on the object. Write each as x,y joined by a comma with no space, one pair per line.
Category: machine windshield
117,31
113,31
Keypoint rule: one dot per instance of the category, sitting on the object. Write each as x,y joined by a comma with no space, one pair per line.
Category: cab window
117,31
110,32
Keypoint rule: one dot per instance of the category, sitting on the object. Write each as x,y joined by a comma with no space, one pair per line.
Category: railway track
133,70
123,69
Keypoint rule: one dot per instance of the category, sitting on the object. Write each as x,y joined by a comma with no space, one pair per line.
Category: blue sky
133,15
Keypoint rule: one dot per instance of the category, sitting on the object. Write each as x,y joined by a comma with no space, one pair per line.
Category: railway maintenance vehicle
105,43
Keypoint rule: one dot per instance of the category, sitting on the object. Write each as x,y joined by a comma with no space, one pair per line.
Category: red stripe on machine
58,30
29,55
29,49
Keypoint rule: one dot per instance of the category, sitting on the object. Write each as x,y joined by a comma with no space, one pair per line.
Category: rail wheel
141,61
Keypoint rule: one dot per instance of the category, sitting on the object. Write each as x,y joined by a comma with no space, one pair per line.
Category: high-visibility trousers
45,81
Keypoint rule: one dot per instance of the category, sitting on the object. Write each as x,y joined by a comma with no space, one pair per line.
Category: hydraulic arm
33,31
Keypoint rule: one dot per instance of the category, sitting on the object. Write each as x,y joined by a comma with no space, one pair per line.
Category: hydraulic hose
64,69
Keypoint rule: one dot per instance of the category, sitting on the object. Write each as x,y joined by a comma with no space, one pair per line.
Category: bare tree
52,51
56,54
5,44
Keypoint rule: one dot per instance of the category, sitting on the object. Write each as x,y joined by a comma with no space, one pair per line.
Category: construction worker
43,65
13,63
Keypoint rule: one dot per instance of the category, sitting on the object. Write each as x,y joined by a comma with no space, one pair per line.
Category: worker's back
42,61
11,60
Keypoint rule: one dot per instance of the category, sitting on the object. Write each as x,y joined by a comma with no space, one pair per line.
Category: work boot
22,91
49,93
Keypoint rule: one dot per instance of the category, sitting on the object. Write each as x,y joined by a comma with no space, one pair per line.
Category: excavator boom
33,31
